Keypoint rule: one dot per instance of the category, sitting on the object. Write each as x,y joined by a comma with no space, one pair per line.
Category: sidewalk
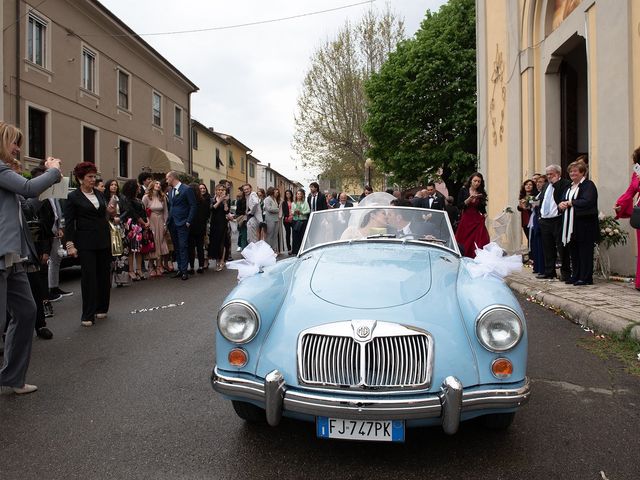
606,306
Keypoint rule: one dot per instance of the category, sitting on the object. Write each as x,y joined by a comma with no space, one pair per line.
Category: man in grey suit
15,247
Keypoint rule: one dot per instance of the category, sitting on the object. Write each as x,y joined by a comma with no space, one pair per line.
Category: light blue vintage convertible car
416,341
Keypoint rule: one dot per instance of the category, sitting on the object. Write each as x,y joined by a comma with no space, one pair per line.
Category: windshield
387,223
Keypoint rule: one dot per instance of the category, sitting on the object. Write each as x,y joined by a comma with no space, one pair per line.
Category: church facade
557,79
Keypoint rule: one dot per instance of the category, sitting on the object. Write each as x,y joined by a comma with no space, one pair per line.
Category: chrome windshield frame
413,241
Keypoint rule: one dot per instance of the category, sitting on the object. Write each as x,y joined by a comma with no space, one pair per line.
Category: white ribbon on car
256,255
491,260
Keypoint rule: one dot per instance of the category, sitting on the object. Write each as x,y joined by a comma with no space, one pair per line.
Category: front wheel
498,421
248,411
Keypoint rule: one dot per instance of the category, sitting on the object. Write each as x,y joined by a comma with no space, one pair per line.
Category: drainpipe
18,64
189,146
246,169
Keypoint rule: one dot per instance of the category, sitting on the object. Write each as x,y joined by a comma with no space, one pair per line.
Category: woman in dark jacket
197,230
287,217
87,237
219,222
580,223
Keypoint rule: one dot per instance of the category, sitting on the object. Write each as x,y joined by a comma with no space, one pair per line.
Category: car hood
385,276
324,290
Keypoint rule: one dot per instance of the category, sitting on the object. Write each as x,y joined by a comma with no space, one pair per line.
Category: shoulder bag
635,217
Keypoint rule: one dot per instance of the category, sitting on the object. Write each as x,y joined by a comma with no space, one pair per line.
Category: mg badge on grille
363,329
363,332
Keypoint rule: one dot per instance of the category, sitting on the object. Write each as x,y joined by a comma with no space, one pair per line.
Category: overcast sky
250,77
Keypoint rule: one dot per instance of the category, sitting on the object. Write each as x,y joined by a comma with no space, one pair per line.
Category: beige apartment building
239,169
557,78
83,87
210,154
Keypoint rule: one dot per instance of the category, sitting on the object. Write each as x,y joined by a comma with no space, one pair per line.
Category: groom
182,210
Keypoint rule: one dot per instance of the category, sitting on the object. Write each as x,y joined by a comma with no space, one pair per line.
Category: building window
231,162
88,70
178,121
157,109
194,139
89,144
123,89
123,158
252,170
242,164
37,40
37,133
218,161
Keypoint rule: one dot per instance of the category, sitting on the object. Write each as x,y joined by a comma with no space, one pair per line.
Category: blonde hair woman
155,202
15,247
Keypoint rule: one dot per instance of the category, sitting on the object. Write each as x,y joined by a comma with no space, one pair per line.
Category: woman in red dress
472,202
624,204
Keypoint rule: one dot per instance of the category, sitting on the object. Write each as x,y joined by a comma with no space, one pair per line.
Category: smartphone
636,168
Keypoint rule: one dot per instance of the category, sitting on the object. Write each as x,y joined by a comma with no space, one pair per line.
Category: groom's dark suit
182,211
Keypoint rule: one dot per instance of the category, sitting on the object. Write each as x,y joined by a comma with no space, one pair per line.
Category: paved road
130,398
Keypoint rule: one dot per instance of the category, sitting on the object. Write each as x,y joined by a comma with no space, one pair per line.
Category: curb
587,316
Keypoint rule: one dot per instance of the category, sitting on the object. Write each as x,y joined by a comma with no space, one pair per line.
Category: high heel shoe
133,277
140,275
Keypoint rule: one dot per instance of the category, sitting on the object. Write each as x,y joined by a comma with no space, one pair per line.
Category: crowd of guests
560,220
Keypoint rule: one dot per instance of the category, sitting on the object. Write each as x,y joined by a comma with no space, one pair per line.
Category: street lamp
367,165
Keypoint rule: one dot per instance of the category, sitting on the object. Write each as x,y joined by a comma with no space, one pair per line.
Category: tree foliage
422,103
332,106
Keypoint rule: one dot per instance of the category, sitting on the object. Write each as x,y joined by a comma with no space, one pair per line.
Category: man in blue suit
182,210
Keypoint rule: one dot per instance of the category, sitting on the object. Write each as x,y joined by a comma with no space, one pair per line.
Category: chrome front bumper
449,404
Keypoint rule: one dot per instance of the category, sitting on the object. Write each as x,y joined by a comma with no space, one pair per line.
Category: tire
497,421
248,412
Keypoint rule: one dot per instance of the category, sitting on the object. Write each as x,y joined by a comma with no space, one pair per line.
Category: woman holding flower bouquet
528,191
624,205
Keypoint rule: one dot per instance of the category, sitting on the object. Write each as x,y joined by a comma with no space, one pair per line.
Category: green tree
332,106
422,103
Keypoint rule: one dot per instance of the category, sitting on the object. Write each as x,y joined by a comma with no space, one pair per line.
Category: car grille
381,362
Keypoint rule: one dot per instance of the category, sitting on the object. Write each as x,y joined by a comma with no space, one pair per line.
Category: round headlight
238,322
499,329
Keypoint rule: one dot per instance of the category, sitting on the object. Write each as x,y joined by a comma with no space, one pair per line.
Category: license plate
369,430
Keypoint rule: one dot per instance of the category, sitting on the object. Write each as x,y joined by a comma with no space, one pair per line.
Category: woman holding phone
472,202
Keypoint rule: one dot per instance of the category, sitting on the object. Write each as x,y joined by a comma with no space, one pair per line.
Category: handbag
634,221
117,247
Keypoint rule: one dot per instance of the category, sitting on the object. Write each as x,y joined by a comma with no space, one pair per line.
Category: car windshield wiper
429,238
382,235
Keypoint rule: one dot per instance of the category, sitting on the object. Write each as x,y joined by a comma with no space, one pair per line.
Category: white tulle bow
490,260
256,256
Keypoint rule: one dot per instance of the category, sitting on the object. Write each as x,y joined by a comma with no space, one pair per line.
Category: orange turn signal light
238,357
502,368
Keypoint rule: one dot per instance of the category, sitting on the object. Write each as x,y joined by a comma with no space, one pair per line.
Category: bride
373,222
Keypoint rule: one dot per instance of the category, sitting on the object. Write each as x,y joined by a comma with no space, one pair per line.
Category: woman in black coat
198,229
580,223
87,236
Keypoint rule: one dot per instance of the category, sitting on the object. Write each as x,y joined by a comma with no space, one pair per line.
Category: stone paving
605,306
